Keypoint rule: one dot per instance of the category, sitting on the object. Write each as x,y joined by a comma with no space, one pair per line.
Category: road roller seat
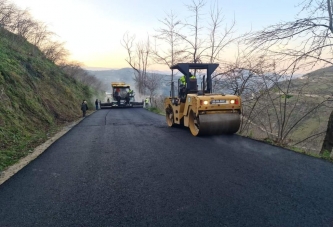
192,87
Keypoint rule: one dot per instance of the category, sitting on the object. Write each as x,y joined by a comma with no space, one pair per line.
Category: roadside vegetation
39,90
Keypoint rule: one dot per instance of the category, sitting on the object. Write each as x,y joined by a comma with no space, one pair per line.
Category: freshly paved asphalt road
124,167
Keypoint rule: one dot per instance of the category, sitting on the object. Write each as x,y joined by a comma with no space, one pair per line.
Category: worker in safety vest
117,95
146,102
182,80
192,76
182,86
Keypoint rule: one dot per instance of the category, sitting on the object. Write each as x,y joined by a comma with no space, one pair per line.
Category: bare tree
276,106
40,34
138,57
206,47
218,38
55,51
6,13
313,36
22,23
194,42
152,84
243,77
168,34
273,106
72,69
75,70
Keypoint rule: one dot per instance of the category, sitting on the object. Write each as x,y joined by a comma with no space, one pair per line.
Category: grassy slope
319,82
35,98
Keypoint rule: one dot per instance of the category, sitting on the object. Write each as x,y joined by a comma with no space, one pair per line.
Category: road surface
125,167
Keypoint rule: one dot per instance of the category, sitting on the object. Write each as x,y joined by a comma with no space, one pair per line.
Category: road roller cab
204,112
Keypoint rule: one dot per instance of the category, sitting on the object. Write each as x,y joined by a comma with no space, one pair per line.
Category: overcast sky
93,29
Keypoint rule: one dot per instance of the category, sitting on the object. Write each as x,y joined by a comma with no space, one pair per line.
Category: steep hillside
35,97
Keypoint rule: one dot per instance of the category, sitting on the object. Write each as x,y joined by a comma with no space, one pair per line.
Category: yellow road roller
204,112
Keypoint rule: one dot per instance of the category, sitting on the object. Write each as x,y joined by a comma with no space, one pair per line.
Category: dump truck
120,96
203,112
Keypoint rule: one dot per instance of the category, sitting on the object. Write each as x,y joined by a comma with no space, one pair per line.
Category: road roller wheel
169,116
194,124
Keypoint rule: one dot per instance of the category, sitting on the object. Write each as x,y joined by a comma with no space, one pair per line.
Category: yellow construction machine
121,96
202,111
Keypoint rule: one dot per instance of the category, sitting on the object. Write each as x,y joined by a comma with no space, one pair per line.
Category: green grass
156,110
36,98
326,155
269,141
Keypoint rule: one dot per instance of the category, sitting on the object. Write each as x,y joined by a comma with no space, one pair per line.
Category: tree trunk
328,141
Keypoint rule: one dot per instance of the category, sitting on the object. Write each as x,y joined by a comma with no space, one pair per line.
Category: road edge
12,170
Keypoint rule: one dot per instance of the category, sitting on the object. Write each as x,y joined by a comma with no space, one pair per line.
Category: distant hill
114,75
322,71
318,82
127,75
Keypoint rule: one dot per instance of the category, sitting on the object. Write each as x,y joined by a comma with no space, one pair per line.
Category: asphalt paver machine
121,96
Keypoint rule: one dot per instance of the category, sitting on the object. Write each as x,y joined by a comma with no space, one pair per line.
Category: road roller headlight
202,102
234,101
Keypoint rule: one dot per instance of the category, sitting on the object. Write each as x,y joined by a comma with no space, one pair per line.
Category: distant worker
127,98
130,92
117,96
108,100
146,102
96,104
84,108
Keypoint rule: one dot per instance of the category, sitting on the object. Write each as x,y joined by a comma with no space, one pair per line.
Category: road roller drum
214,124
